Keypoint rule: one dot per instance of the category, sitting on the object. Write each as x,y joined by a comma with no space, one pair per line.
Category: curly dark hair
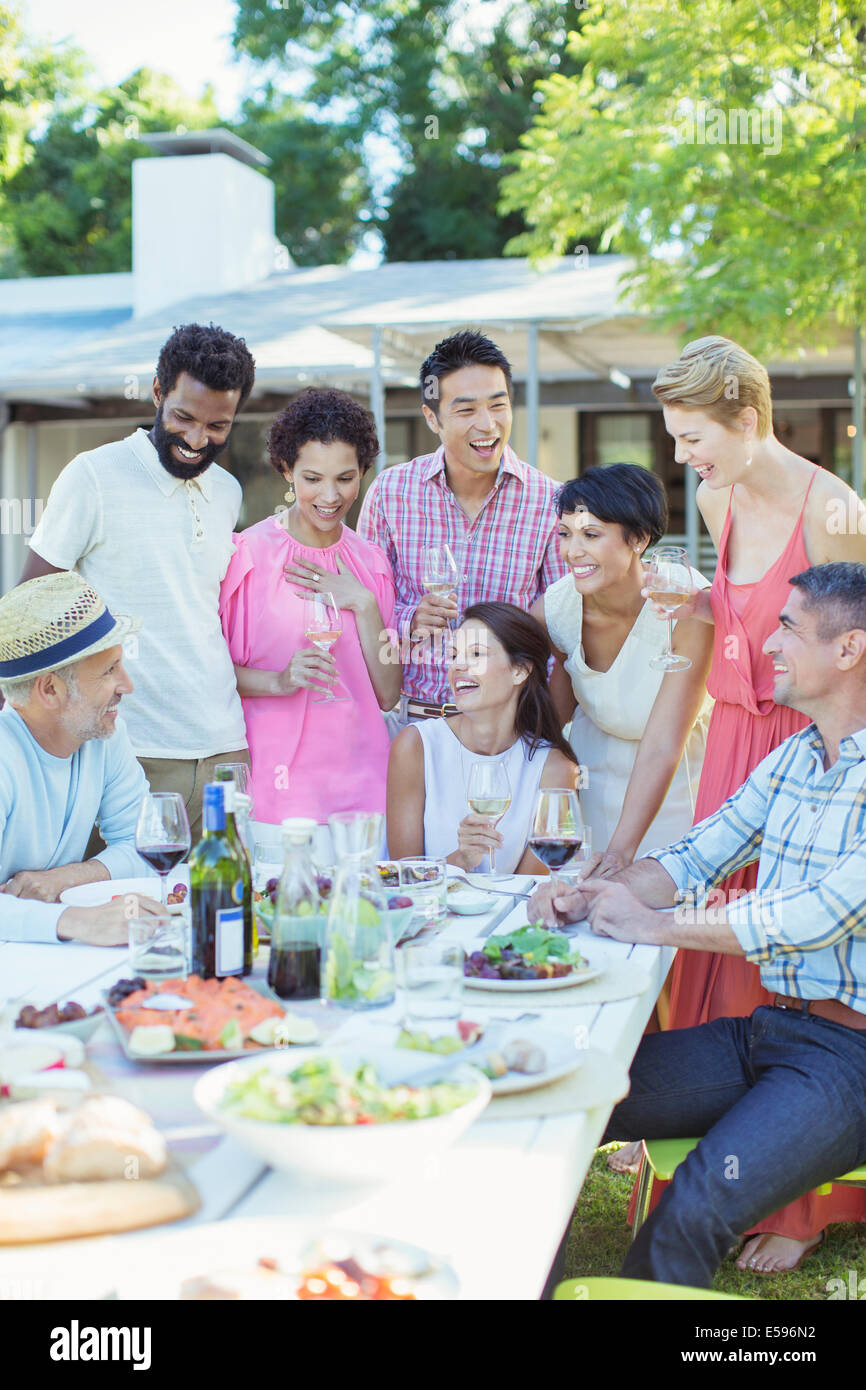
218,359
326,415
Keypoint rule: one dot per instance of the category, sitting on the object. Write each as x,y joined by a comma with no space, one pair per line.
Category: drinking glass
670,582
162,834
430,978
323,625
242,778
158,946
439,574
356,832
489,794
424,880
557,830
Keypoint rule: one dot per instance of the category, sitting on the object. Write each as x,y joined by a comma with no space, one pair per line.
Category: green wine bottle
226,780
216,876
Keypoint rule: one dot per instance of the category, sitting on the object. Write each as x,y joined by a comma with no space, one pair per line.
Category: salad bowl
369,1153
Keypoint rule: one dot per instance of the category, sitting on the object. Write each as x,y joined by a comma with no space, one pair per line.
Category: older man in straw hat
65,761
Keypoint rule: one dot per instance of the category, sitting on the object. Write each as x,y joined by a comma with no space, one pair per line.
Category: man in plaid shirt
780,1097
495,513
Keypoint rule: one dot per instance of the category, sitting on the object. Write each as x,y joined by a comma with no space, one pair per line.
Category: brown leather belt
416,710
832,1009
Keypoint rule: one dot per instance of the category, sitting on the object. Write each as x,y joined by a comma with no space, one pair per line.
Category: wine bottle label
229,941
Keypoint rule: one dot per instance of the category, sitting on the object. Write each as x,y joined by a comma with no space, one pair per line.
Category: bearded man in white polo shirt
148,522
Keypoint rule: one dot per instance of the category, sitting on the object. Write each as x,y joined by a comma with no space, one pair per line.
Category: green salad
323,1092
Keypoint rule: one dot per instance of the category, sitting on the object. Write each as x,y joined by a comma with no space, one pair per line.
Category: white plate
577,977
95,894
562,1057
156,1266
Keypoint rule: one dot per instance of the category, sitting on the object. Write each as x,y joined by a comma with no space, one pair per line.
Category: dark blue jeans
780,1100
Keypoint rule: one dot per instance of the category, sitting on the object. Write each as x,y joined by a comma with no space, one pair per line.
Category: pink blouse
309,758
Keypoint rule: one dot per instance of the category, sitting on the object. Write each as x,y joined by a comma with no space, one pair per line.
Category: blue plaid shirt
805,922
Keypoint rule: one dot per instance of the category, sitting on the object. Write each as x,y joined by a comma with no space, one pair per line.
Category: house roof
320,324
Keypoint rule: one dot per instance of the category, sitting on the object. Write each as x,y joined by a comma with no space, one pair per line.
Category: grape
488,972
478,958
271,885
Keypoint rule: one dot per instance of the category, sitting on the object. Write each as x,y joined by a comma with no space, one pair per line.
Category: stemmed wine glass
240,775
670,582
323,625
162,835
489,794
440,574
558,833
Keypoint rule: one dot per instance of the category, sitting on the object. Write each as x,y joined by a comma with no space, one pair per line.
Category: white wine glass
440,576
162,835
489,794
322,626
669,582
242,778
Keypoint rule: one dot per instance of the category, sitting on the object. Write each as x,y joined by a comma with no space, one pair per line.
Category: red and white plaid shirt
509,552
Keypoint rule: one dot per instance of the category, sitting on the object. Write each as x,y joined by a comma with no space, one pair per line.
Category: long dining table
495,1205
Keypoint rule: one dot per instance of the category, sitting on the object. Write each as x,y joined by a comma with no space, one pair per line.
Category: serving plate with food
196,1020
530,958
330,1116
275,1260
515,1057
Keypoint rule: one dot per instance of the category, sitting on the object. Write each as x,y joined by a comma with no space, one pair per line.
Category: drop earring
290,495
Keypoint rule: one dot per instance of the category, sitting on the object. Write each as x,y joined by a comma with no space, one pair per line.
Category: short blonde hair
718,376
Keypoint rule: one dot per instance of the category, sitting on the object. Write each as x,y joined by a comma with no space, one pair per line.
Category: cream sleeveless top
612,712
446,779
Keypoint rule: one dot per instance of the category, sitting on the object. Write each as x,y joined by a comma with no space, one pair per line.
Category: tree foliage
656,145
449,90
69,205
321,185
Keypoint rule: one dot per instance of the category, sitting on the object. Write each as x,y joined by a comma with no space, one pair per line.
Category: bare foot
627,1159
771,1254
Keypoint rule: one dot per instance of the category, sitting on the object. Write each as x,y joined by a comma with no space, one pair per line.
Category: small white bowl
343,1155
470,902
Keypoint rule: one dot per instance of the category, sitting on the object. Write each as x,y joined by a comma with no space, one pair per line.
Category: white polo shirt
156,547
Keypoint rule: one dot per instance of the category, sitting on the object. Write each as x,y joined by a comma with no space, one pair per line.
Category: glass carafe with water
358,959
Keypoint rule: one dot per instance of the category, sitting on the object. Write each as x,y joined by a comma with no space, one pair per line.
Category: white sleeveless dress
446,779
612,712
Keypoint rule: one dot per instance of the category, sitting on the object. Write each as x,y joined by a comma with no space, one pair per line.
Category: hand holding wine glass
323,625
670,584
162,835
489,794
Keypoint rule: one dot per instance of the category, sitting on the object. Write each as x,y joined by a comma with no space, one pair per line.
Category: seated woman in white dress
640,733
499,678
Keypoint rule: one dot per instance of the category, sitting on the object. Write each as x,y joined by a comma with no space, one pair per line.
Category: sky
188,39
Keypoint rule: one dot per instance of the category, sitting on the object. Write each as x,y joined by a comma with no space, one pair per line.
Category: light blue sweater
48,807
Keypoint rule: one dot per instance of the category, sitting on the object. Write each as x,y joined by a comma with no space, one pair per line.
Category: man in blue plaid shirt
791,1079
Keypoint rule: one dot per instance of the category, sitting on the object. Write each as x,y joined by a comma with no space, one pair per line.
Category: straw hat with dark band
52,621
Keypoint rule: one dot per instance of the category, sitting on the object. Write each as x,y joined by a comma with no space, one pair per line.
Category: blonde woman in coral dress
771,514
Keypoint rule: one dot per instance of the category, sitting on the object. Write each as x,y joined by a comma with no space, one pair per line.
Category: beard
162,441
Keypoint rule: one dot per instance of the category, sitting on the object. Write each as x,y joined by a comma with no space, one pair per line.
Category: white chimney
202,218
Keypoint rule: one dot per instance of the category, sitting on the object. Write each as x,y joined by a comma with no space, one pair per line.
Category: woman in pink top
312,757
771,514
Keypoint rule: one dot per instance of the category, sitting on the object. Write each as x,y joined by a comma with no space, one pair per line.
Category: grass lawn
600,1235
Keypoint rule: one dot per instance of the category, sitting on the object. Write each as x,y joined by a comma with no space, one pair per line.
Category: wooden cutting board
33,1210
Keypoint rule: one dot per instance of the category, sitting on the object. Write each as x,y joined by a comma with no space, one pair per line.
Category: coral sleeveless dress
745,726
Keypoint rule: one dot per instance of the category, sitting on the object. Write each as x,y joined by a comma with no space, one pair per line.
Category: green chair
633,1291
662,1157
